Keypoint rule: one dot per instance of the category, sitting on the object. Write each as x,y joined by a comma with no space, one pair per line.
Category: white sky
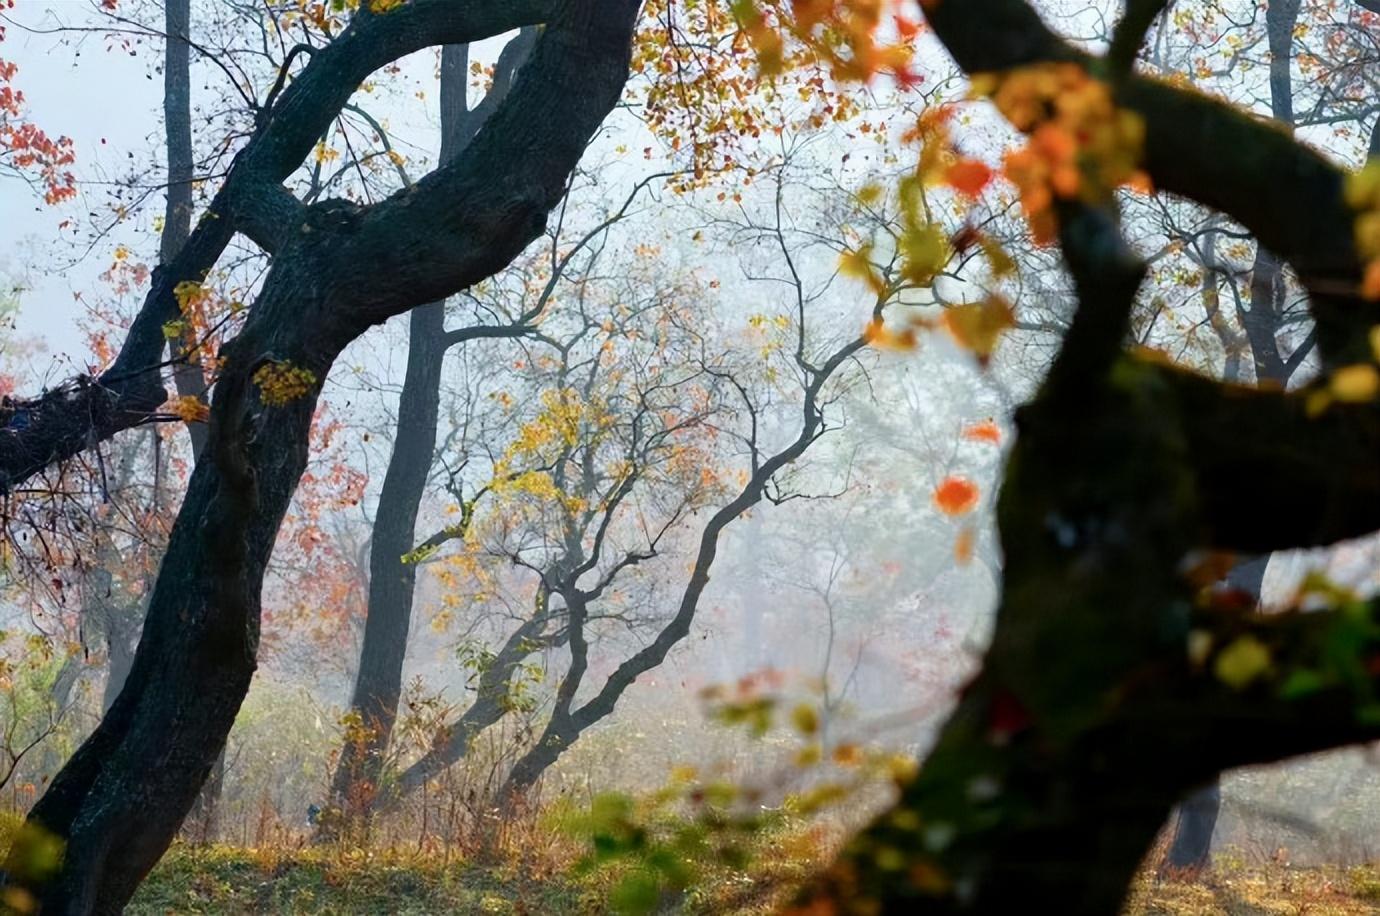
90,94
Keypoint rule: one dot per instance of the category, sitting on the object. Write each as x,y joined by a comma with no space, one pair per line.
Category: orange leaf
968,176
985,431
955,495
963,547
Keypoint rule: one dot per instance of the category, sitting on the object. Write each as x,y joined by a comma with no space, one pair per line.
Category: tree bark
1094,712
337,270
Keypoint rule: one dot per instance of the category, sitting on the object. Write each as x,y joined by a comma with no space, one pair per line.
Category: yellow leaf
1356,384
980,325
924,251
858,264
1240,663
805,719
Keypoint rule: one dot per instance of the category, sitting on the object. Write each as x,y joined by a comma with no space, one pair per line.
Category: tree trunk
177,215
121,638
338,269
1190,849
122,796
392,580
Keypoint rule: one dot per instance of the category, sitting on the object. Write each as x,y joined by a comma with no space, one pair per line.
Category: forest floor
233,880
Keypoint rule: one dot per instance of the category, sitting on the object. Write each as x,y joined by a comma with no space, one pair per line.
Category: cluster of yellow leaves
559,426
282,383
1363,195
557,423
190,409
1081,145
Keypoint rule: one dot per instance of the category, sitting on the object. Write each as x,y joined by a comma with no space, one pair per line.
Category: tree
392,578
1117,678
337,269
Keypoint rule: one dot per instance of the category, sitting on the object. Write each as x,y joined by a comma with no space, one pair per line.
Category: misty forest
818,457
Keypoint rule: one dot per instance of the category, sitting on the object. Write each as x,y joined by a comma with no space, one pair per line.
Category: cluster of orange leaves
1081,147
24,147
845,35
702,94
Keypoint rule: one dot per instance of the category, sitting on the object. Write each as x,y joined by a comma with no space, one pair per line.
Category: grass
1271,890
234,880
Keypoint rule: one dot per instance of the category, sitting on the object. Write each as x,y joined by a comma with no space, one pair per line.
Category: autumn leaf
858,264
983,431
956,495
190,409
878,335
963,546
1356,384
979,326
1240,663
924,252
968,176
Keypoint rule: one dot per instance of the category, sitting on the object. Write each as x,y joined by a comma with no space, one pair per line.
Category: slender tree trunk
188,380
177,214
1190,849
392,580
122,636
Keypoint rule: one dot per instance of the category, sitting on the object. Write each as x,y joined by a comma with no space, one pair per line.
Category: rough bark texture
1094,712
57,424
337,270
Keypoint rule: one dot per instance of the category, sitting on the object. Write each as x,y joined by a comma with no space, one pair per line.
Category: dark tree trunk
392,579
121,798
122,636
1190,849
188,380
177,214
338,269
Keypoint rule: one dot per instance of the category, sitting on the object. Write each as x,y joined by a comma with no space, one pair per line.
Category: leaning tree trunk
337,270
